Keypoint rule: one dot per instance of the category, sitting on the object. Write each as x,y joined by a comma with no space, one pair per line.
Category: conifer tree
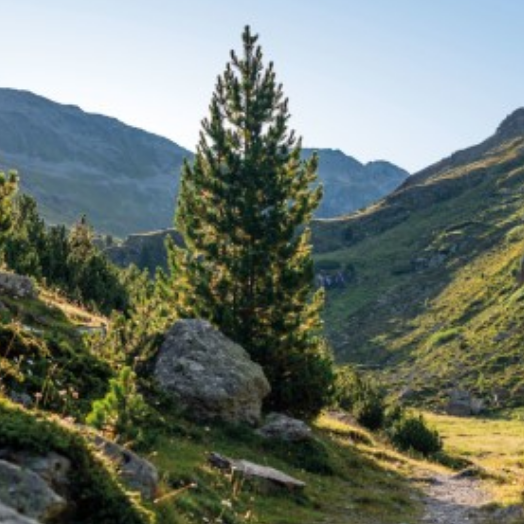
8,187
243,209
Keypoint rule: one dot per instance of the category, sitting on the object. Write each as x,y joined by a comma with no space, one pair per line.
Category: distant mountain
74,162
350,185
126,179
428,284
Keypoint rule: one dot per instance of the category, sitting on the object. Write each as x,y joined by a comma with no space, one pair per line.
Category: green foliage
8,187
67,260
411,432
122,410
98,497
360,396
58,373
243,209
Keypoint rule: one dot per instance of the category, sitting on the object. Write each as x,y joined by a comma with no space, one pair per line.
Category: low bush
360,396
411,432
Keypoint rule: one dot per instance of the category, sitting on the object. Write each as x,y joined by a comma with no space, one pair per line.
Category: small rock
137,473
21,398
270,477
463,404
285,428
16,285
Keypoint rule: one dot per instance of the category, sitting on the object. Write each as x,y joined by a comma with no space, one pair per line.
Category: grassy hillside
47,363
431,295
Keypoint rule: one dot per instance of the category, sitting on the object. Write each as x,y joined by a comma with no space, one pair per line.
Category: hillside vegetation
432,296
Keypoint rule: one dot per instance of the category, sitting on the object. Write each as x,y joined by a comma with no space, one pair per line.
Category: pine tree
243,210
8,187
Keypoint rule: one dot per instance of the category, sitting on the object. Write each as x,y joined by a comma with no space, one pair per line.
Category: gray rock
209,374
137,473
16,285
285,428
21,398
51,467
463,404
266,477
27,493
10,516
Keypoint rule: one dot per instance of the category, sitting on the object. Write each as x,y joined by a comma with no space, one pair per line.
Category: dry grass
494,444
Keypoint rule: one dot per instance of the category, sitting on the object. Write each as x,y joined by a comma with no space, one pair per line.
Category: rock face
16,285
10,516
285,428
136,473
26,492
209,374
52,467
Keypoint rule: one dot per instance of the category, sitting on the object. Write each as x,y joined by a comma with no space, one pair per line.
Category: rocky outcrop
26,492
17,286
209,374
463,404
285,428
52,467
10,516
136,473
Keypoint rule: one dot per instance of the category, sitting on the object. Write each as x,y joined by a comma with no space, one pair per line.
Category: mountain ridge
125,179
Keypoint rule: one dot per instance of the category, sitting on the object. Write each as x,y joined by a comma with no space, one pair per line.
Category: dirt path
452,499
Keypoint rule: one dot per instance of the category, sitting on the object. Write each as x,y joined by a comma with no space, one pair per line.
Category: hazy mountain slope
350,185
125,179
431,294
74,162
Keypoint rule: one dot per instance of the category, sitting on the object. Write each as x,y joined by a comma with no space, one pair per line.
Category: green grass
494,444
45,356
347,482
433,301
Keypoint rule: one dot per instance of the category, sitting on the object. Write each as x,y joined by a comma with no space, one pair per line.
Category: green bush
411,432
360,396
122,409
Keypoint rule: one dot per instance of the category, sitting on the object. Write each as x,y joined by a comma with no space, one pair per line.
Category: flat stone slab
256,471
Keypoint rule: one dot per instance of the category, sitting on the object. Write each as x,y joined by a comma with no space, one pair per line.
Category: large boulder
282,427
17,286
209,374
26,492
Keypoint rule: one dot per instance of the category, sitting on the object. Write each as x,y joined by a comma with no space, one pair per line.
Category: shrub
412,432
120,410
360,396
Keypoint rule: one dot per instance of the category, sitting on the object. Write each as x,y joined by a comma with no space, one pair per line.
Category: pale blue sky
409,81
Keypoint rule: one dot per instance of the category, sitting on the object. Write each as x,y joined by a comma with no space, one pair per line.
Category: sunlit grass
494,444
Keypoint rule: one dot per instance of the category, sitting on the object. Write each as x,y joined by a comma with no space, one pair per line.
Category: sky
409,81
